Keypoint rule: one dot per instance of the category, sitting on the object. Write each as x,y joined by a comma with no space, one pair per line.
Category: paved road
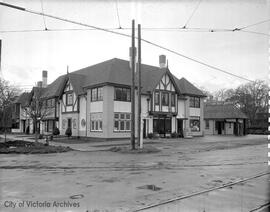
110,180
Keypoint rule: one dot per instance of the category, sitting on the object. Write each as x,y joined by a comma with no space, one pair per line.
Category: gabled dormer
69,99
165,95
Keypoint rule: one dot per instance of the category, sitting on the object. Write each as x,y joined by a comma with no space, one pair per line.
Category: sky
26,54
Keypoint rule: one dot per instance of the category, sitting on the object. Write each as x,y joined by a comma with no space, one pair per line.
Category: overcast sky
26,54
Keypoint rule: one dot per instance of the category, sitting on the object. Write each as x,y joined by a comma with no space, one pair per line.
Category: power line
117,12
41,1
162,29
251,25
125,35
197,6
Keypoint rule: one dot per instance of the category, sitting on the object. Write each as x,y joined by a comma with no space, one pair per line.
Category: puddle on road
77,196
150,187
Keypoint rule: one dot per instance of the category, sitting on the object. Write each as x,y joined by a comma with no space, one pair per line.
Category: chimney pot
162,61
39,84
44,78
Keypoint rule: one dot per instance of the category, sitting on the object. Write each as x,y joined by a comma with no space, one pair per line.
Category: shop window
206,124
195,123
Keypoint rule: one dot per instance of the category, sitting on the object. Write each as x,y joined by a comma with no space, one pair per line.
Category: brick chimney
44,78
162,61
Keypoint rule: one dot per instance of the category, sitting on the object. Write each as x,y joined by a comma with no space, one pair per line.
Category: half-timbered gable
69,99
165,95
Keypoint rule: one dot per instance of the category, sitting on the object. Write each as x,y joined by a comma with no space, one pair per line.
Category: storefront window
195,123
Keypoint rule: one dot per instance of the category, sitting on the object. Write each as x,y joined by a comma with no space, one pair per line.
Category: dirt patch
146,149
26,147
150,187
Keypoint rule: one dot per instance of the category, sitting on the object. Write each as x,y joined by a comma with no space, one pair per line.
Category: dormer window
165,98
173,100
157,98
69,99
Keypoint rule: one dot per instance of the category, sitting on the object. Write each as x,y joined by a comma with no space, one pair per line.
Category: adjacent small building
224,119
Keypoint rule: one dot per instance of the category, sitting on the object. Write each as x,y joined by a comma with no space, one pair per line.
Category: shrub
40,136
68,132
56,131
174,135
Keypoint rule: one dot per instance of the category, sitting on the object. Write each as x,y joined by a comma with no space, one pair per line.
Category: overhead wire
192,14
118,16
255,24
42,8
125,35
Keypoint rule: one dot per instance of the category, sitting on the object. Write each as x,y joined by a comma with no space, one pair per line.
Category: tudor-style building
96,102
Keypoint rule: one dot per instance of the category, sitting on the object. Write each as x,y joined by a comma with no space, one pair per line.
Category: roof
188,88
116,71
55,88
223,111
23,99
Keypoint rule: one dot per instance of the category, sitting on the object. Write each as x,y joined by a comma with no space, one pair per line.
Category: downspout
86,115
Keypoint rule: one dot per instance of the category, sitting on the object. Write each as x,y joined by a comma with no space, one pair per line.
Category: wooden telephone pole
133,86
140,140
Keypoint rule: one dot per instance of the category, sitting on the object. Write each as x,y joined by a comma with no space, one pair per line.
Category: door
144,128
180,127
69,124
219,127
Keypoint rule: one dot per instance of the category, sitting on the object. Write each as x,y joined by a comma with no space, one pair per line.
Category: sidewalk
86,147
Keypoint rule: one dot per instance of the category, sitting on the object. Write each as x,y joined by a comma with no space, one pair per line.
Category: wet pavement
113,181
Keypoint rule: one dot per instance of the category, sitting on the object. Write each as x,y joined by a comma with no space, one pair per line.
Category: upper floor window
50,102
194,102
69,99
157,98
96,94
121,94
165,99
173,100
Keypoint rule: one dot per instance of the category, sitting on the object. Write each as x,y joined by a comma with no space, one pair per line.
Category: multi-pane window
165,99
156,98
173,100
96,122
122,122
96,94
194,102
194,123
69,98
121,94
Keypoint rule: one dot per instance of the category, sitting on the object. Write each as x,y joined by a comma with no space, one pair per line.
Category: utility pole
140,140
133,86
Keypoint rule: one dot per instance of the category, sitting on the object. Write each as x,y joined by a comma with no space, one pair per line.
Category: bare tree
37,109
251,98
8,94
